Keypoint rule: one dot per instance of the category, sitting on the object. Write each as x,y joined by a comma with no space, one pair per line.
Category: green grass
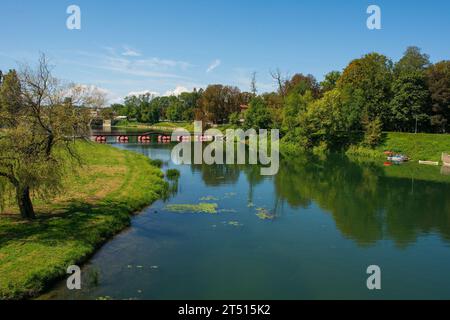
95,205
160,126
419,146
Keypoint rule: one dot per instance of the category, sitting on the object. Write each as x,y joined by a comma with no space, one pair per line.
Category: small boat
446,159
398,158
430,163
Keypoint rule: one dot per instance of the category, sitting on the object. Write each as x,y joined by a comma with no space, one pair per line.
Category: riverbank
165,127
421,146
97,203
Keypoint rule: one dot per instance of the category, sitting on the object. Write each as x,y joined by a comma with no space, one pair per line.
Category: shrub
374,133
172,174
156,162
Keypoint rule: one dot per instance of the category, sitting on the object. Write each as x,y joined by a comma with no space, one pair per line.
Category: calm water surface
332,219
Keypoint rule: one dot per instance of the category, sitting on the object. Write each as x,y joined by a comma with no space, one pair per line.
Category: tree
367,83
145,109
189,101
218,102
258,115
373,133
280,81
410,101
107,113
235,119
300,83
412,61
324,122
438,79
118,109
40,120
330,81
131,107
295,104
175,110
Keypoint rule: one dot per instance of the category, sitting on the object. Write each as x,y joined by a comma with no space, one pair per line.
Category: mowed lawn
95,204
420,146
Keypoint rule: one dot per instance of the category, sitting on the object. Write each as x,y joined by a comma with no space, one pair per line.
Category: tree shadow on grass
77,221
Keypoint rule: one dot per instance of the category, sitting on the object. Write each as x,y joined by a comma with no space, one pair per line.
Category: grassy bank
167,127
96,204
419,146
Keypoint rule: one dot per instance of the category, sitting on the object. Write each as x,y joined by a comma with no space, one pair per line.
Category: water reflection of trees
366,205
218,174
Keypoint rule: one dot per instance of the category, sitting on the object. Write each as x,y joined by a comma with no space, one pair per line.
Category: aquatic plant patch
263,214
210,208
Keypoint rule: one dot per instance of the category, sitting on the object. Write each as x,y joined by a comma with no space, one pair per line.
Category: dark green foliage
330,81
172,174
258,115
374,133
438,78
409,103
412,61
369,82
156,163
235,118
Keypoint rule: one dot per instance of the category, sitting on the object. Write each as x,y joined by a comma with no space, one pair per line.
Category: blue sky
158,46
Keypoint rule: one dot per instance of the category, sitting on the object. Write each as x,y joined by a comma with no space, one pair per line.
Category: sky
170,46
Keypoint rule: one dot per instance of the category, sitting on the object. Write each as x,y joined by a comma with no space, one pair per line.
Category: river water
328,221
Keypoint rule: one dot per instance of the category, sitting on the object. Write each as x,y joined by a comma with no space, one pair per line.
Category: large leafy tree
412,61
39,122
324,121
189,102
295,104
438,78
218,102
367,83
300,84
258,115
330,81
410,101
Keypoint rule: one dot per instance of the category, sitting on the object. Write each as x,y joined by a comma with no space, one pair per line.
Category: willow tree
40,119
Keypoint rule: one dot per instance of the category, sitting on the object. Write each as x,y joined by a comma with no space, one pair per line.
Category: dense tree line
370,95
213,105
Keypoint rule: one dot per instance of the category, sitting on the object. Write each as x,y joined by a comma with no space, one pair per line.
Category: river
328,221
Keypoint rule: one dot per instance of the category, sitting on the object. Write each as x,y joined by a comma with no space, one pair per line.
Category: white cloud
157,62
177,91
148,67
131,52
213,65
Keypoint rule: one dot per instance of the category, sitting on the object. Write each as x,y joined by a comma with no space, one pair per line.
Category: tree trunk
24,202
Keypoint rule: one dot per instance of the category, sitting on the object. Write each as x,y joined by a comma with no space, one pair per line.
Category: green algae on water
263,214
210,208
209,198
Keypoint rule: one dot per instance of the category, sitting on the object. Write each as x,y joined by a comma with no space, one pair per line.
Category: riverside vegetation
358,110
371,106
55,212
97,202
